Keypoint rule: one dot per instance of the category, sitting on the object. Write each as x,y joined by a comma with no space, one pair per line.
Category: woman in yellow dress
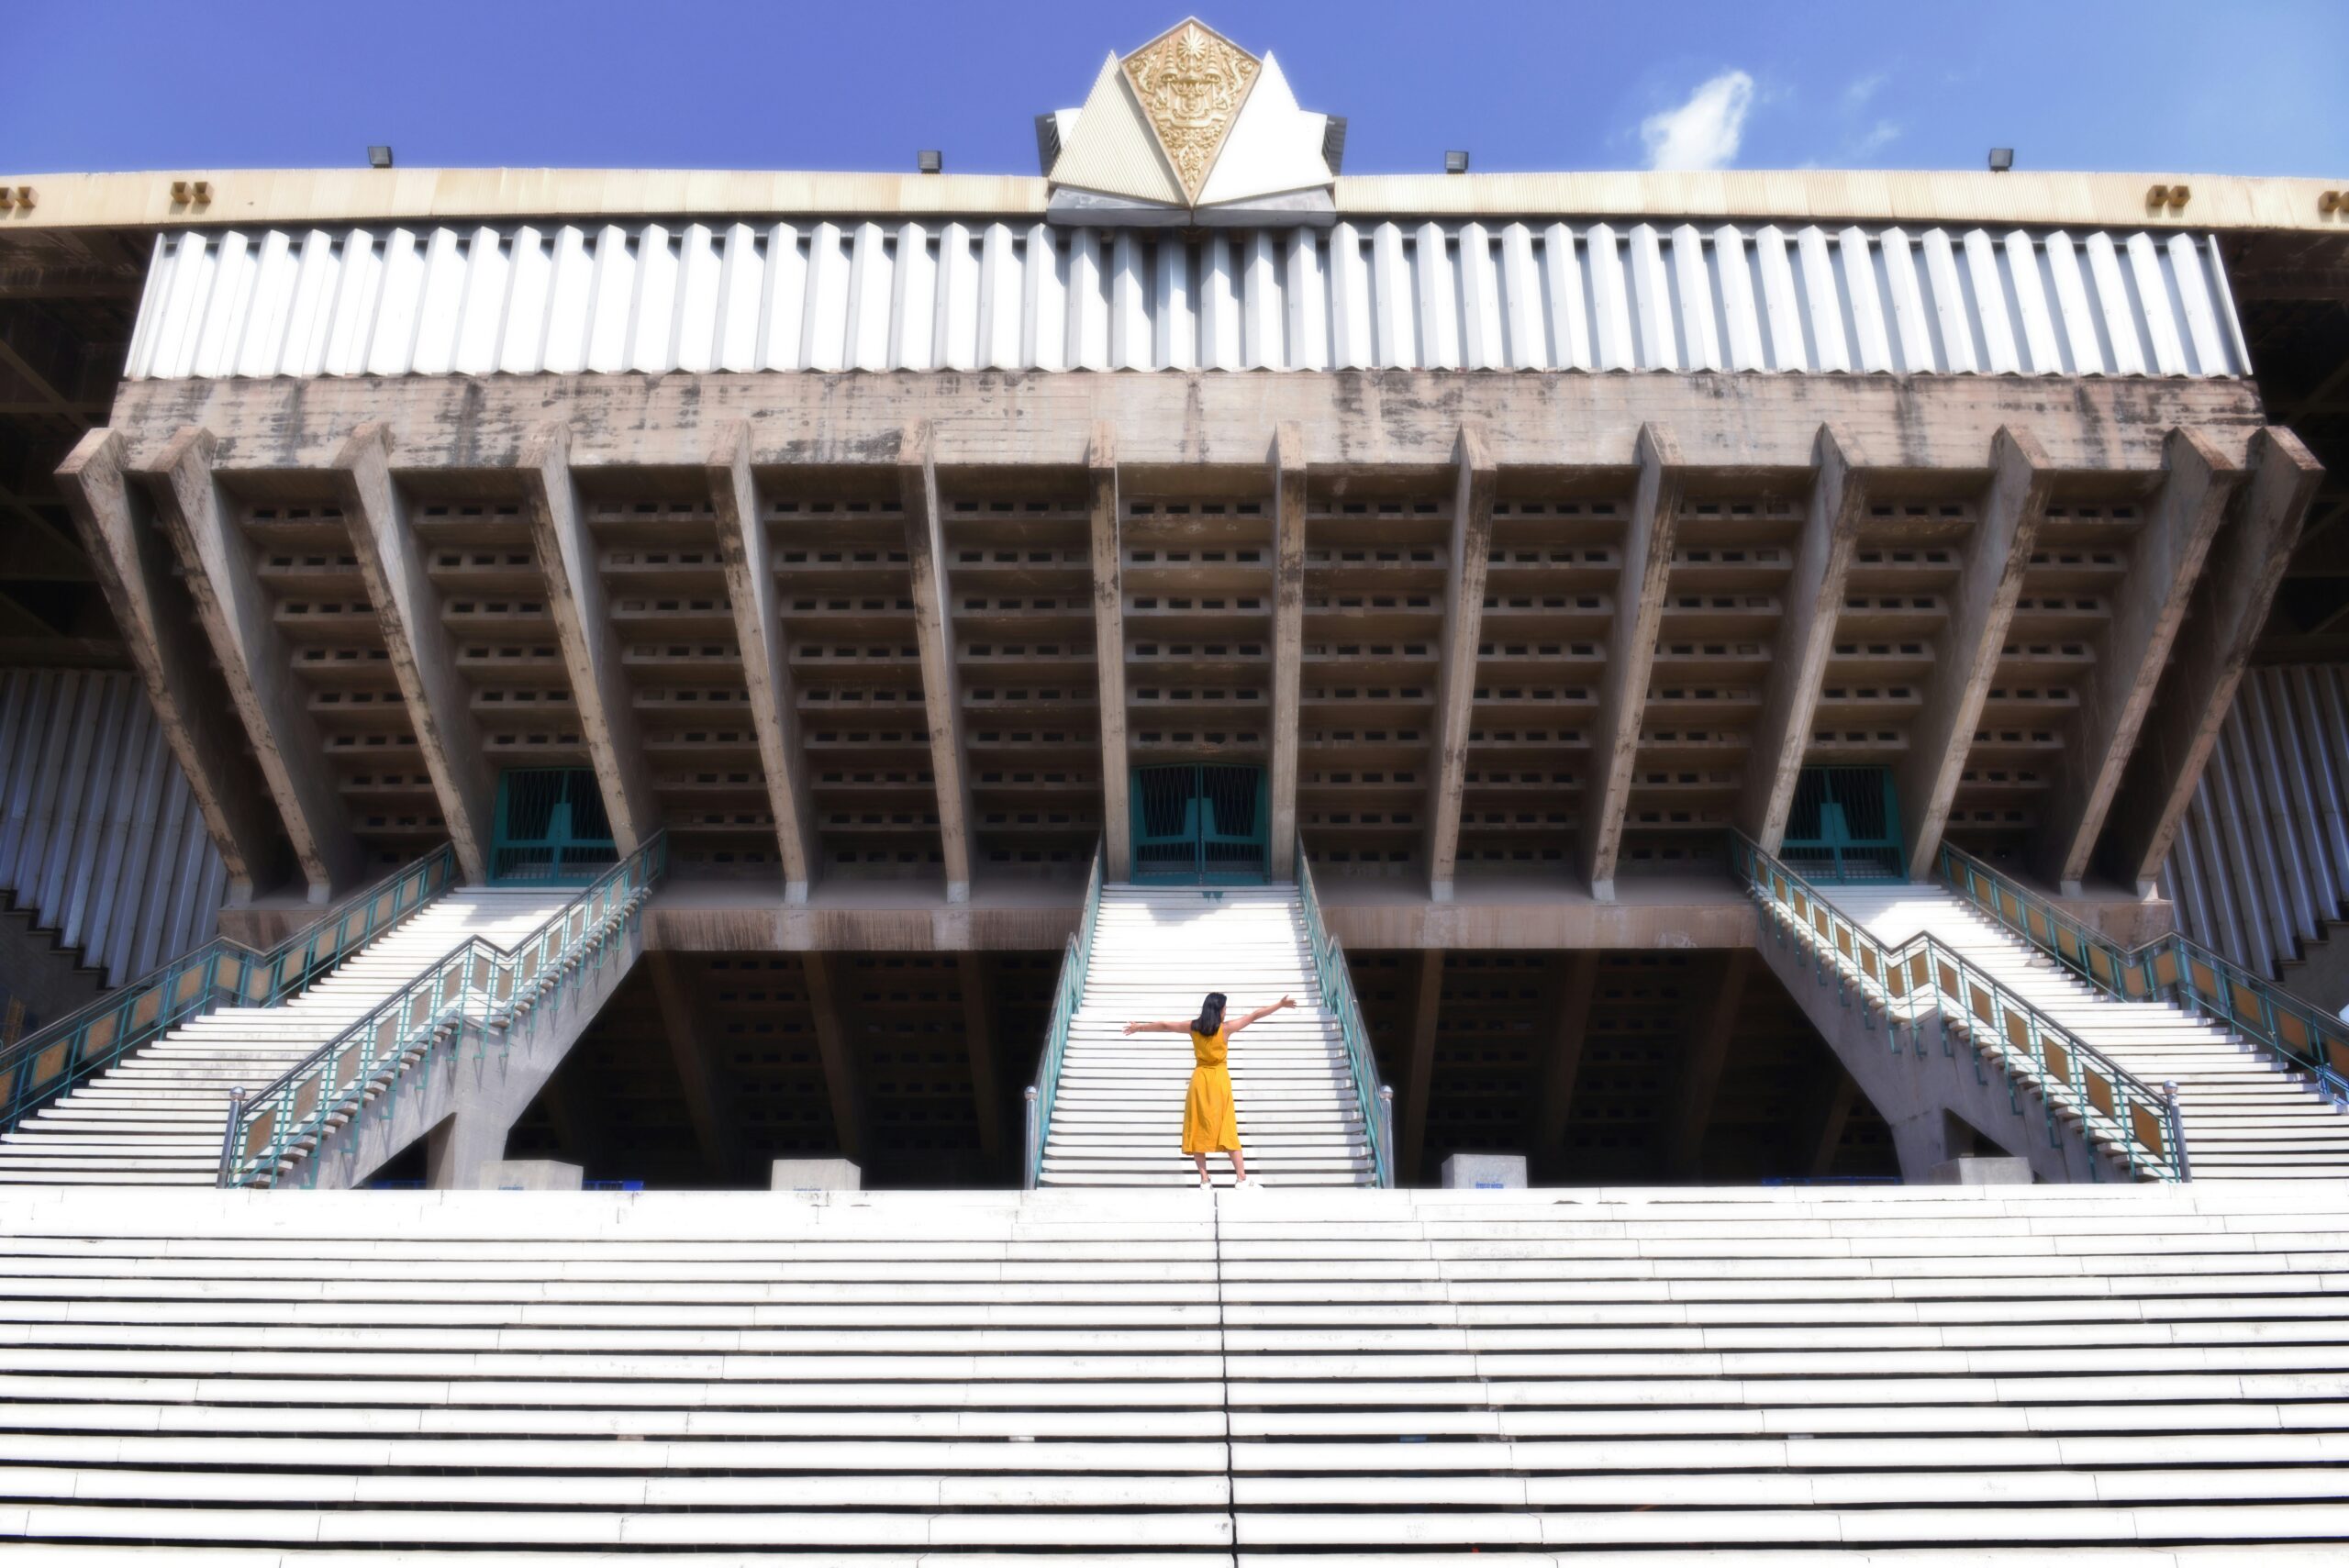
1210,1118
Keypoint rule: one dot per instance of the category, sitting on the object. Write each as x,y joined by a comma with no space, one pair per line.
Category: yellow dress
1210,1119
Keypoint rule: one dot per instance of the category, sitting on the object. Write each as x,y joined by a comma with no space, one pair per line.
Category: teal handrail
475,986
1923,976
1068,995
2176,967
45,1065
1377,1100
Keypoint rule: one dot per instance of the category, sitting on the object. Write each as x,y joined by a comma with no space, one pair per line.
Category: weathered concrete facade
866,535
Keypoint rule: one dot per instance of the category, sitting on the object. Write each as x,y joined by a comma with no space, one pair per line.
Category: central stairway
155,1117
1116,1119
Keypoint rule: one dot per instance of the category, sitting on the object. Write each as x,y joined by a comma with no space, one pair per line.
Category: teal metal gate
551,828
1199,823
1845,827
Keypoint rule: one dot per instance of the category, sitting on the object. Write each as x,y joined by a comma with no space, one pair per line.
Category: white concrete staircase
155,1119
1116,1119
1667,1377
2243,1115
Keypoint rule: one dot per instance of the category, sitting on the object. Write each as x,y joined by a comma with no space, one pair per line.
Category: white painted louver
842,296
100,837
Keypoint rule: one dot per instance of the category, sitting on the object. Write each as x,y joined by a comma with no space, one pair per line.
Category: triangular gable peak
1191,130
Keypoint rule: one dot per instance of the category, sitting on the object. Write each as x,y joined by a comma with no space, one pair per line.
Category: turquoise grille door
1845,827
551,828
1199,823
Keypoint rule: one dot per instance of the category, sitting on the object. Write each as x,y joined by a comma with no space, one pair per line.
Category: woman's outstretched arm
1267,1010
1159,1028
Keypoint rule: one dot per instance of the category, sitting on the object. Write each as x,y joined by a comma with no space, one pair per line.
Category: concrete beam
132,561
942,689
1648,535
232,605
978,1038
1965,655
1288,639
843,1083
1418,1070
766,669
1403,423
1546,1133
1109,653
707,1106
583,625
1814,599
2165,563
1467,566
1701,1074
424,658
2246,566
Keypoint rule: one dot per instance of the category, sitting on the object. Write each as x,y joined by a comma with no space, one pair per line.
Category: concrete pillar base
461,1144
1484,1171
529,1176
817,1176
1980,1171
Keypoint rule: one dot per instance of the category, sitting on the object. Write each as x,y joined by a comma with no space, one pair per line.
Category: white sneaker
1248,1182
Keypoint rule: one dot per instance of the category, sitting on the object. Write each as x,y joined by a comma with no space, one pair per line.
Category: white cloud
1876,138
1702,133
1856,96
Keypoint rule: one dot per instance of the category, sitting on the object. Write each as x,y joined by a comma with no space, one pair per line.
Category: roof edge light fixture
930,161
2002,159
379,157
1456,162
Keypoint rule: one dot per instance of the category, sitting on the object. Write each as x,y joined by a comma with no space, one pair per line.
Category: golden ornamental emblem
1191,82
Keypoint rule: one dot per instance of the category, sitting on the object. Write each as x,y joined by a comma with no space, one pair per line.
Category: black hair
1211,1016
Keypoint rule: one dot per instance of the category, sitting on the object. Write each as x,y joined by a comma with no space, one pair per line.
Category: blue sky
2223,86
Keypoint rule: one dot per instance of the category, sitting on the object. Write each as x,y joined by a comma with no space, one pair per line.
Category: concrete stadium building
1744,690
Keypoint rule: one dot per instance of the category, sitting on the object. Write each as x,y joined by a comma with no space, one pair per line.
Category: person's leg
1239,1166
1201,1161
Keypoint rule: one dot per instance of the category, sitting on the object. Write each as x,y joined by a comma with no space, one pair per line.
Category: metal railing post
2176,1128
1386,1132
1035,1137
228,1133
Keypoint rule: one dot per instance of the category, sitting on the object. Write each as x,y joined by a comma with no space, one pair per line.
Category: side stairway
1925,1377
155,1117
1117,1117
2243,1117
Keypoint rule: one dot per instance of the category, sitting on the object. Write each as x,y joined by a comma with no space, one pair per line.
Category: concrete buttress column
569,562
2165,562
1109,653
1466,565
766,665
1814,599
934,632
132,563
1289,501
423,657
231,603
2246,566
1966,656
1648,535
